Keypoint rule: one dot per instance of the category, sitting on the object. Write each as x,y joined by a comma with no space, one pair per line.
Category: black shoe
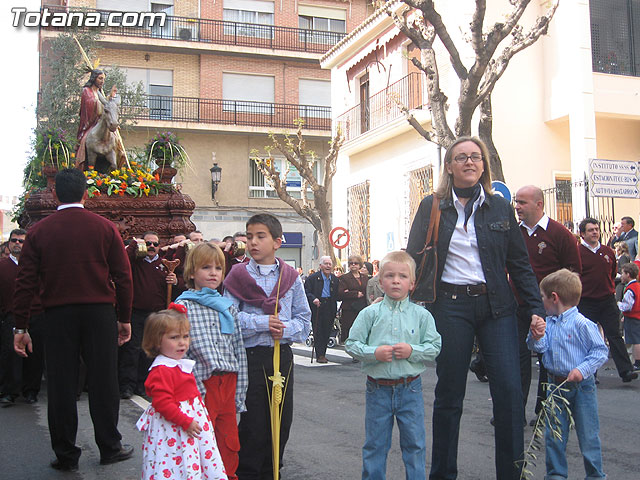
628,376
636,367
479,375
126,394
7,400
125,453
64,467
30,398
533,422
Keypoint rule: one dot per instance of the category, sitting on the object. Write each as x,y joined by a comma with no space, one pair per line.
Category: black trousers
322,323
90,330
254,429
133,363
605,312
524,323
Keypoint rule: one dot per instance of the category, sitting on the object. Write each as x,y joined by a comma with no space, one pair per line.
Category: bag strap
434,225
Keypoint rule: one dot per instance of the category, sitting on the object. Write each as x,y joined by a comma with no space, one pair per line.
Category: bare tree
423,25
318,211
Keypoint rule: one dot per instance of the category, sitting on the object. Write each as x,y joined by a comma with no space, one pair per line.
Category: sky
19,94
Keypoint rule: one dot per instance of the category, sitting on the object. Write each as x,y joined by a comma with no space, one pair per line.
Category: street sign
613,166
500,188
339,237
614,178
620,191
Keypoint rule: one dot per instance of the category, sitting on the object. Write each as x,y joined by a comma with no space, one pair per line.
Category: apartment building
571,97
223,74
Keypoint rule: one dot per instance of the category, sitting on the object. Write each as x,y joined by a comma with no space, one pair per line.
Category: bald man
551,247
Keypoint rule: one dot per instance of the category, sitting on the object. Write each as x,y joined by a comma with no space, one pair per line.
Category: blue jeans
458,321
406,404
583,403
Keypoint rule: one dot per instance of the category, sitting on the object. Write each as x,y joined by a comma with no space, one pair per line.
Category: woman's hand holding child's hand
384,353
194,430
538,326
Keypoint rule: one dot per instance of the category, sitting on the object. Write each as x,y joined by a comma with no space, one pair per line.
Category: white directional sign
620,191
614,178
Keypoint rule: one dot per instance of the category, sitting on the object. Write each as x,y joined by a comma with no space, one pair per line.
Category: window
615,36
159,86
359,222
315,98
327,25
259,188
252,18
166,30
248,93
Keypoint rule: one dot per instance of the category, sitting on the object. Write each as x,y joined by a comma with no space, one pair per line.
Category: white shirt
463,266
70,205
542,223
15,260
593,249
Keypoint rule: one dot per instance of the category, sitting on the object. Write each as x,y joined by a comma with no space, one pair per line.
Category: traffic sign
500,188
613,166
620,191
339,237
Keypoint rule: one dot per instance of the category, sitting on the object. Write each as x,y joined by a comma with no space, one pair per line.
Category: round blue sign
499,188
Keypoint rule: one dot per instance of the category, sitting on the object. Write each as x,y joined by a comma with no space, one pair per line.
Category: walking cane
171,265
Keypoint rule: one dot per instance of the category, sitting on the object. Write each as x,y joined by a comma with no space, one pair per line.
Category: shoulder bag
426,275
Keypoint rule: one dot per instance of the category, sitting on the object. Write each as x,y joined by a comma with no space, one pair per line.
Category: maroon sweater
552,249
149,282
598,272
8,273
78,257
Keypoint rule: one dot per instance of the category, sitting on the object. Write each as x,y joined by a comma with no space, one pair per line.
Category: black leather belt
391,382
470,290
218,373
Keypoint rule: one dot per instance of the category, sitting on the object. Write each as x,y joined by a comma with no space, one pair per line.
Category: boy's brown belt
391,382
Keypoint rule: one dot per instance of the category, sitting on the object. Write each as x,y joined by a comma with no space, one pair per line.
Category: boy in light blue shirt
393,339
572,351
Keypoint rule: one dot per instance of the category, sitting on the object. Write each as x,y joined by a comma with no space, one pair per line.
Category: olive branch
554,404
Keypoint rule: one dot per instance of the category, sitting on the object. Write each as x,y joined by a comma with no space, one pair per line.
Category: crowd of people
193,325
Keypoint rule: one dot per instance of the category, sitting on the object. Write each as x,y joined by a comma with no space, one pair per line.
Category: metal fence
383,107
558,203
218,31
229,112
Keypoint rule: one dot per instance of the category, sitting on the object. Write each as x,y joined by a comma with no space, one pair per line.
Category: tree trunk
485,132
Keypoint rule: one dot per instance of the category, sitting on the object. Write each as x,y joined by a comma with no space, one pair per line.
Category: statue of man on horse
98,128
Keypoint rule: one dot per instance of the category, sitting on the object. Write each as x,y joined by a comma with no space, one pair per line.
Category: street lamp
216,176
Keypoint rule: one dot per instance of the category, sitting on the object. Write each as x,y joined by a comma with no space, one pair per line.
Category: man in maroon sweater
81,282
150,281
18,374
551,247
598,302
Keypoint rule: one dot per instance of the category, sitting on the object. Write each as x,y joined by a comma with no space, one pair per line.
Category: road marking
139,401
334,352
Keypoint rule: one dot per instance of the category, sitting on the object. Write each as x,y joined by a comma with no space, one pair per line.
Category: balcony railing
383,107
229,112
223,32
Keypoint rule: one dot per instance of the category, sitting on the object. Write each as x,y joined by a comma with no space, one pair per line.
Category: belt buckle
469,292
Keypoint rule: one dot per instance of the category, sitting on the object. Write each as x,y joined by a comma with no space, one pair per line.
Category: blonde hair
202,254
157,325
623,246
446,179
565,283
399,257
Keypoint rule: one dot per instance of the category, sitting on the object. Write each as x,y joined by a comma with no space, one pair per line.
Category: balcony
221,32
382,107
229,112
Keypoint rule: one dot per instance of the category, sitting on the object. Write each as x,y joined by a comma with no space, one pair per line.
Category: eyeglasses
17,240
354,263
463,157
155,244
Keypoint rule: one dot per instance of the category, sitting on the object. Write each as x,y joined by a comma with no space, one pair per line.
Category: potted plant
165,150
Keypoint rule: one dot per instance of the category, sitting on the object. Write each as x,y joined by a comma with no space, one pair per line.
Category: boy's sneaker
636,367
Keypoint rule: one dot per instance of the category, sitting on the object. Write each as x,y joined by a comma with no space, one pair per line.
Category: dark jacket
313,288
501,248
350,300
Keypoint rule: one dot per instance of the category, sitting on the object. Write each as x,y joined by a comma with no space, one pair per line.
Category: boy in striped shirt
572,351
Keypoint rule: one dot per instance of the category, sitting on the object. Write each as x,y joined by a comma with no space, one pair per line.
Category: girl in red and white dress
179,442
